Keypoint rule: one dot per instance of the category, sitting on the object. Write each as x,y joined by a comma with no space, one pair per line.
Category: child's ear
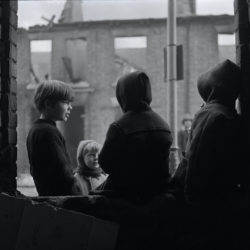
48,104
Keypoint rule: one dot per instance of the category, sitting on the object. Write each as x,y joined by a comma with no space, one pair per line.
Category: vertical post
171,81
242,20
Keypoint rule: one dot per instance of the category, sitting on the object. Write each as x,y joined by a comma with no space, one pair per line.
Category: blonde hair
85,147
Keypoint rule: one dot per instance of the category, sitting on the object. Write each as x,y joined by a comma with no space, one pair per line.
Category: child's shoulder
46,129
43,125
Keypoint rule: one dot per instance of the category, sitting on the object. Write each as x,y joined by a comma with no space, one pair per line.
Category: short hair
52,91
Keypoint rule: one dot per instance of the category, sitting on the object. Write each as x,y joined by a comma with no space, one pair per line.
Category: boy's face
91,159
60,111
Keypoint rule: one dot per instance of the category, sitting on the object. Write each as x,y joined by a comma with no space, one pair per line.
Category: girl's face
91,159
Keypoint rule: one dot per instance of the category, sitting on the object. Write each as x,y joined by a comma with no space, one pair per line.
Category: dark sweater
50,163
136,155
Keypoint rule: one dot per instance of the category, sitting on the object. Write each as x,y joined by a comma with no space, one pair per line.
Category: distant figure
135,153
183,134
88,172
50,163
213,164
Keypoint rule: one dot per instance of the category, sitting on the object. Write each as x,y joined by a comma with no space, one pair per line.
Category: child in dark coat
135,153
50,164
213,164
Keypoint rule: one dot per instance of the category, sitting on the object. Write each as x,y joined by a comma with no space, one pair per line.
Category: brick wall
99,110
8,90
242,20
24,100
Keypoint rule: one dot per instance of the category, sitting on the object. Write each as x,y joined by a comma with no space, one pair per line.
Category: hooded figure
136,150
214,150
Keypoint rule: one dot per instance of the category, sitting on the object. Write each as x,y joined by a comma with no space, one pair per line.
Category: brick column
58,71
8,90
24,101
242,12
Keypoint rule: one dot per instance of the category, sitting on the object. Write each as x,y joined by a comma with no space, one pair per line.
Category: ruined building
201,42
91,55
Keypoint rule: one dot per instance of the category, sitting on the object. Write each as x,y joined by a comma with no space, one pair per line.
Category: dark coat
49,160
213,164
182,141
135,153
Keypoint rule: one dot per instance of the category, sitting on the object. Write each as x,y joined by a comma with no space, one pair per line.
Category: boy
50,163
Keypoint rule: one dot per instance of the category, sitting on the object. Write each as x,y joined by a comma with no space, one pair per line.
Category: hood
221,83
133,92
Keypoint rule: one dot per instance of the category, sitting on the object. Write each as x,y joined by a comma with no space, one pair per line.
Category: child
213,166
50,163
135,153
89,174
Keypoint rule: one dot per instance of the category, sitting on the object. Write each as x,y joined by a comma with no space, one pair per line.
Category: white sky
31,11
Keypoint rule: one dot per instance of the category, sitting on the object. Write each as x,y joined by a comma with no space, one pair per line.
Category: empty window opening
40,67
226,45
136,42
130,53
76,60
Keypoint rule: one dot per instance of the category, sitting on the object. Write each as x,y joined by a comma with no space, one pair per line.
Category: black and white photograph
124,124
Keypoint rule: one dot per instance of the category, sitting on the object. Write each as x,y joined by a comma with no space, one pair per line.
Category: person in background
136,150
183,134
50,164
88,172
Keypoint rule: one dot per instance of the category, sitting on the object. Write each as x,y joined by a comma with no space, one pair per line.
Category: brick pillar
59,51
8,90
242,12
24,100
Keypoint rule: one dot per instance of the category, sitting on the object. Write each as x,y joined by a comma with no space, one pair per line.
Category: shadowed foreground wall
8,90
242,21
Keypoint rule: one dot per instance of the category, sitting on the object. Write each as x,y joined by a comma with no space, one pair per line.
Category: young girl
88,173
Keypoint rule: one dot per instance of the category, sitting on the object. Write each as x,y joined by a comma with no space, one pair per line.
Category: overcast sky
31,11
